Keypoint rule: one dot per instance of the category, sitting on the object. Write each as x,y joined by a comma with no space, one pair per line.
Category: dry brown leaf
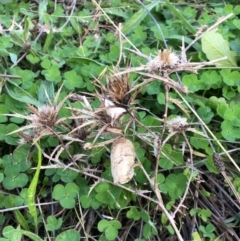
122,160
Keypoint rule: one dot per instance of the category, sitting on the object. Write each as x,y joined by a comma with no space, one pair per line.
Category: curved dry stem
209,131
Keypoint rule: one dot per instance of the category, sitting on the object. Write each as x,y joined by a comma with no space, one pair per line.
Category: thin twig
214,26
209,131
25,206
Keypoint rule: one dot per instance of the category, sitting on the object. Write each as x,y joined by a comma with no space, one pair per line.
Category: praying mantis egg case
122,160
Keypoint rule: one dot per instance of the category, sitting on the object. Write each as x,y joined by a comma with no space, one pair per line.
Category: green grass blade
18,233
137,18
32,189
180,16
19,217
48,42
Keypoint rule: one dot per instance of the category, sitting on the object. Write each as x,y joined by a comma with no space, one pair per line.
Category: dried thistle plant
166,59
115,98
118,89
42,120
179,124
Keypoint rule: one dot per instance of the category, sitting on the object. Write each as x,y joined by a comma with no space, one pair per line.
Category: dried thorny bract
42,120
44,116
166,59
116,98
118,89
177,124
122,160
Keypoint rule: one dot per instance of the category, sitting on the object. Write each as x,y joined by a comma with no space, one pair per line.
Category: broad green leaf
53,74
69,235
230,78
3,110
205,113
229,132
86,201
20,94
133,213
116,224
174,185
66,195
215,47
102,225
32,59
11,182
42,10
46,92
144,216
111,233
72,80
192,82
236,23
67,175
13,58
53,223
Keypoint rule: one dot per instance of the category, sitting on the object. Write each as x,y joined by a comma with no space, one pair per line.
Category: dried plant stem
62,144
231,186
99,179
81,221
214,26
120,44
166,80
25,206
160,138
160,201
190,178
196,196
44,222
10,76
110,20
209,131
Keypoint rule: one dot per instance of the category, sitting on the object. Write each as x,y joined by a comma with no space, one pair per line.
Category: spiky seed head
44,116
165,59
177,124
118,88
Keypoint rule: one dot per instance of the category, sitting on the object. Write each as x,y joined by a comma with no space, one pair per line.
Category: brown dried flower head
42,120
118,89
45,116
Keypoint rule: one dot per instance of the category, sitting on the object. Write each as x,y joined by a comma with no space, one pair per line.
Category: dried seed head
122,160
218,162
177,124
44,116
118,88
165,59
